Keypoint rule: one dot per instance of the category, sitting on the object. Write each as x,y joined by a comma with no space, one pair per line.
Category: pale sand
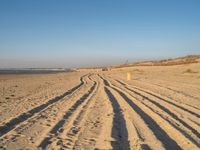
159,108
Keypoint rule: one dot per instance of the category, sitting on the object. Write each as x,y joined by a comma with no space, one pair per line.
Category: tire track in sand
187,108
119,130
91,124
163,107
66,119
72,134
41,120
159,132
167,126
23,117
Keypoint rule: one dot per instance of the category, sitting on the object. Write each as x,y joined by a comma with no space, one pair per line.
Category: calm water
32,71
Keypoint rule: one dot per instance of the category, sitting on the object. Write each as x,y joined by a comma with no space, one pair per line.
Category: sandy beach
99,75
159,108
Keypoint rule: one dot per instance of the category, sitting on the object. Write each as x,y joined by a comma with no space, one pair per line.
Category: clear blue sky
73,33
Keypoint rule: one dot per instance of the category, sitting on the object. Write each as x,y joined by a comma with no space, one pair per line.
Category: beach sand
159,108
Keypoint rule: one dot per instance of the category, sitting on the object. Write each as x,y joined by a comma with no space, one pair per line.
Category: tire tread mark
172,114
157,130
66,116
165,139
21,118
119,124
169,112
180,107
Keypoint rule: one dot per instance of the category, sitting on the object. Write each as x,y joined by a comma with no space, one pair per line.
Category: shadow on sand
119,130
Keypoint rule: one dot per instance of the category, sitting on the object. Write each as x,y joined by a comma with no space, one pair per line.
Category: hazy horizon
103,65
70,34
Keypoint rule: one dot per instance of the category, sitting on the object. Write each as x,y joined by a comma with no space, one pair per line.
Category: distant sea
14,71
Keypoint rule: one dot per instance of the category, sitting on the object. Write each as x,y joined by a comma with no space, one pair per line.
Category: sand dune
158,109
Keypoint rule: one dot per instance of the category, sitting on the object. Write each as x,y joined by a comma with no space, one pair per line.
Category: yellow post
128,76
